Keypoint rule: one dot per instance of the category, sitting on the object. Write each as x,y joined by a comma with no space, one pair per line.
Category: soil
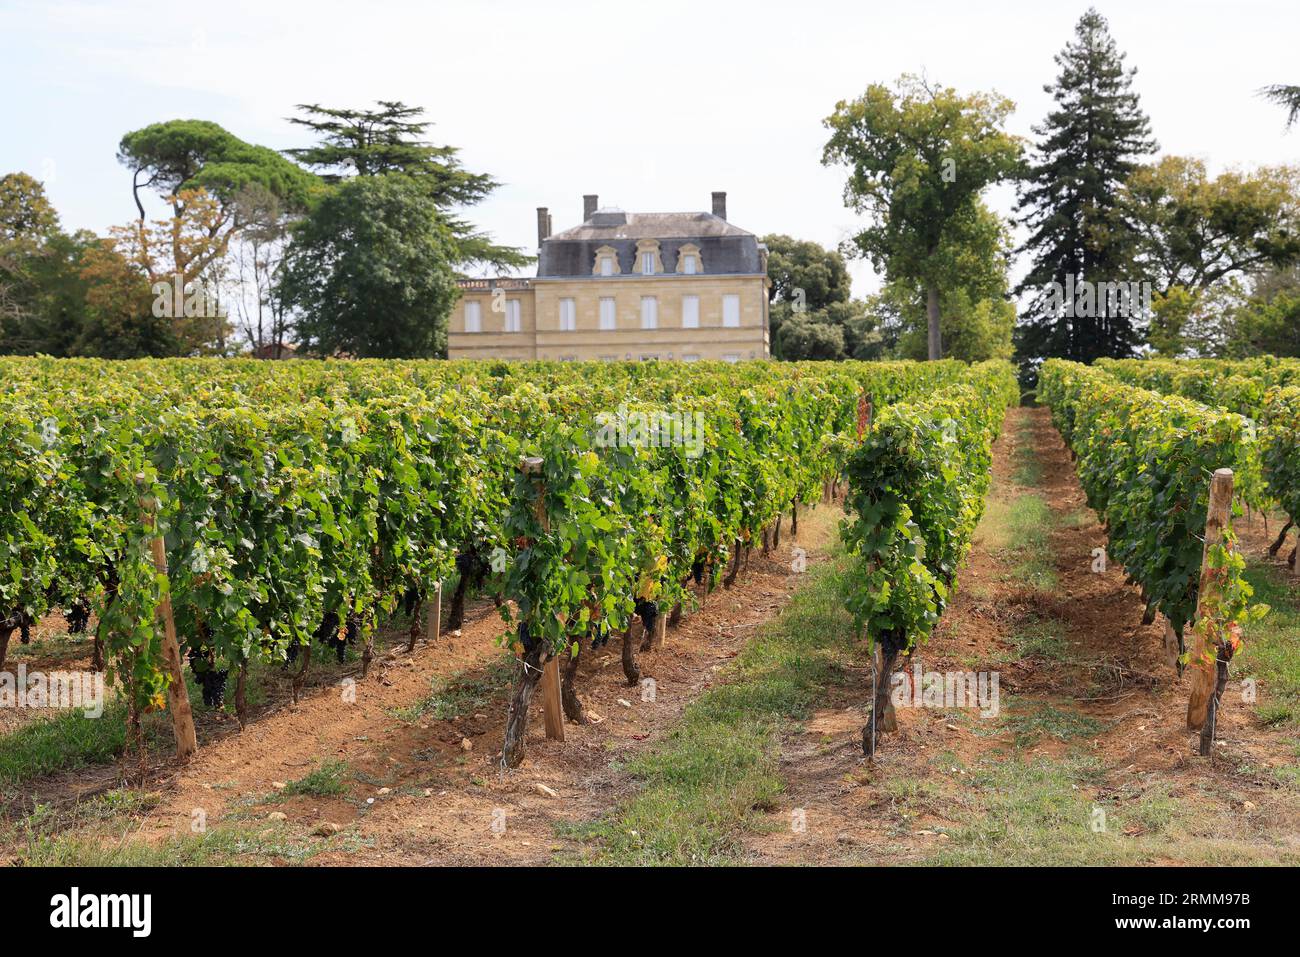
420,790
1116,672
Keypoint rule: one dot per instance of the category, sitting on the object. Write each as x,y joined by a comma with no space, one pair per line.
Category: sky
652,106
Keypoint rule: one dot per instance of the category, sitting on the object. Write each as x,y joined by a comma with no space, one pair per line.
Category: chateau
625,286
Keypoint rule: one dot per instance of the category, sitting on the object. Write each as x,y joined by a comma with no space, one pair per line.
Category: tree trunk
879,718
5,634
1281,540
794,520
568,692
302,672
512,749
630,670
675,618
1212,711
776,531
413,633
933,339
457,617
241,697
735,566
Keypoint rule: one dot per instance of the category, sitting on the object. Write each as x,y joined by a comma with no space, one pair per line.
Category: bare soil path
1087,759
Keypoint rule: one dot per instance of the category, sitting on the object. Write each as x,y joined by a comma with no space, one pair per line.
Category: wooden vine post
552,697
433,624
1209,662
178,698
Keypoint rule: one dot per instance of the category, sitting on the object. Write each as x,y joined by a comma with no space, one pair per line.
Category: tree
258,256
804,338
918,160
197,154
42,295
976,316
1194,231
1071,199
811,284
369,271
1287,97
390,140
120,321
176,257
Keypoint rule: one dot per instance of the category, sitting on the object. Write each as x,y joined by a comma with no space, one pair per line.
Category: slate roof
725,249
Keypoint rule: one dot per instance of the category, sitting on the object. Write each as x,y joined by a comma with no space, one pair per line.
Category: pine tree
1070,200
389,141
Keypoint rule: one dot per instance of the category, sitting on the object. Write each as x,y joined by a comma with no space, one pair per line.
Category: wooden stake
178,698
433,624
661,629
1202,662
552,705
552,700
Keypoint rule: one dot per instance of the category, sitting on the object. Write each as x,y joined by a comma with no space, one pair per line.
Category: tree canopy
919,156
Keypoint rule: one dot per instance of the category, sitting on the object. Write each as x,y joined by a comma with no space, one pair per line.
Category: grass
69,741
1050,812
1035,637
465,692
1045,720
1272,651
720,765
327,780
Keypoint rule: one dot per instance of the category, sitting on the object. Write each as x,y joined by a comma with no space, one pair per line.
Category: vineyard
223,516
225,512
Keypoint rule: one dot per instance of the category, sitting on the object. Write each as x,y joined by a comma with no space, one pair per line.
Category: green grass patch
1042,813
465,692
718,770
1036,637
327,780
1030,725
1271,653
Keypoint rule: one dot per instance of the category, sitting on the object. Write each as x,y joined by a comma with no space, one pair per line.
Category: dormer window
648,262
688,260
606,262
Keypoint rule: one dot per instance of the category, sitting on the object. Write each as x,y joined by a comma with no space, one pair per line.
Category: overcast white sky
650,105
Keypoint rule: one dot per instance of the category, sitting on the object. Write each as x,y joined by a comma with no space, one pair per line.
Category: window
731,311
689,262
606,262
473,316
731,357
513,323
608,317
690,312
649,312
647,261
649,357
690,357
568,316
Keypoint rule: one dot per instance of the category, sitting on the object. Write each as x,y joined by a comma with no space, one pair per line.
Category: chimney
588,206
720,205
543,225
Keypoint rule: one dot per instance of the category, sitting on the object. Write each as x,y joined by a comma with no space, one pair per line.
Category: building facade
625,286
